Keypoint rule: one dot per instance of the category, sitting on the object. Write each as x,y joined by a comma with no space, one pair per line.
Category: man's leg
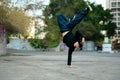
70,56
62,21
63,17
77,19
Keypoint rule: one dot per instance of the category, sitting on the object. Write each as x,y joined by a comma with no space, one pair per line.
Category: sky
103,2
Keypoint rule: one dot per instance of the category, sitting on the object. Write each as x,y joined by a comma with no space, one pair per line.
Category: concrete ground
52,66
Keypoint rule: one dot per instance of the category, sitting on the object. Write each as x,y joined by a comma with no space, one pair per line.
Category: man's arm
77,45
83,41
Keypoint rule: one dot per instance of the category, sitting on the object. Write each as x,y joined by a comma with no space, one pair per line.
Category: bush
36,43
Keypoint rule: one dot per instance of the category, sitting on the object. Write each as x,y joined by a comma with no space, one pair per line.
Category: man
66,26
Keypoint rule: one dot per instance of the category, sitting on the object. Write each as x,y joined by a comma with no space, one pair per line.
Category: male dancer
66,26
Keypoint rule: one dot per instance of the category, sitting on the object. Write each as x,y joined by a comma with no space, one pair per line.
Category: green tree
67,7
13,19
90,25
20,22
100,15
3,12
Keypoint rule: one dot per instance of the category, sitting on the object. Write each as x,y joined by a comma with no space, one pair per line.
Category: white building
114,5
39,28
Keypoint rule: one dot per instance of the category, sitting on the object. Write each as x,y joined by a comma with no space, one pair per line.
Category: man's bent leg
77,19
62,22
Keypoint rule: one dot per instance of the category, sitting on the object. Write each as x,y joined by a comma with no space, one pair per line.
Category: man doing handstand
66,26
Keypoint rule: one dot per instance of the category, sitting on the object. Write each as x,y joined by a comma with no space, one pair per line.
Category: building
114,5
39,28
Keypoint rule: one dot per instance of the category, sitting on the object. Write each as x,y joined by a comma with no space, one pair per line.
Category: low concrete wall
2,48
88,46
19,44
2,40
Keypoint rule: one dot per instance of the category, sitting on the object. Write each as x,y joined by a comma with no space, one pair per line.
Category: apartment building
114,5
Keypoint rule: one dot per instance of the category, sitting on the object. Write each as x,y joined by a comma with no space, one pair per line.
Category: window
118,4
114,14
114,19
119,33
118,14
118,23
118,9
113,10
113,4
119,19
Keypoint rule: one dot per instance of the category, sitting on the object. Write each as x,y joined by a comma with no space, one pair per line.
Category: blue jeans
67,24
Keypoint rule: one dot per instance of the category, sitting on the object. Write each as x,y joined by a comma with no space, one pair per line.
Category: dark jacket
69,39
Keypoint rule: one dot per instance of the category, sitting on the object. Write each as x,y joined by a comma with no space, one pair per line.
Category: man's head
80,40
79,45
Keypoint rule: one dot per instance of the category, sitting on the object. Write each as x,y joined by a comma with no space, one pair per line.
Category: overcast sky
103,2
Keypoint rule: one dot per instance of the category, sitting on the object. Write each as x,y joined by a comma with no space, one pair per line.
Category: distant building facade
114,5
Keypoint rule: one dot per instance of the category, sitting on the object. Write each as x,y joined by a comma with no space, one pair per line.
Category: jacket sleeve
79,35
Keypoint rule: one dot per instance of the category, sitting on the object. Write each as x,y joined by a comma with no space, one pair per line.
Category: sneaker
73,18
89,7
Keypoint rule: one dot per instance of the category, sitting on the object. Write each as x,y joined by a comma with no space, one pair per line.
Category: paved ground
52,66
